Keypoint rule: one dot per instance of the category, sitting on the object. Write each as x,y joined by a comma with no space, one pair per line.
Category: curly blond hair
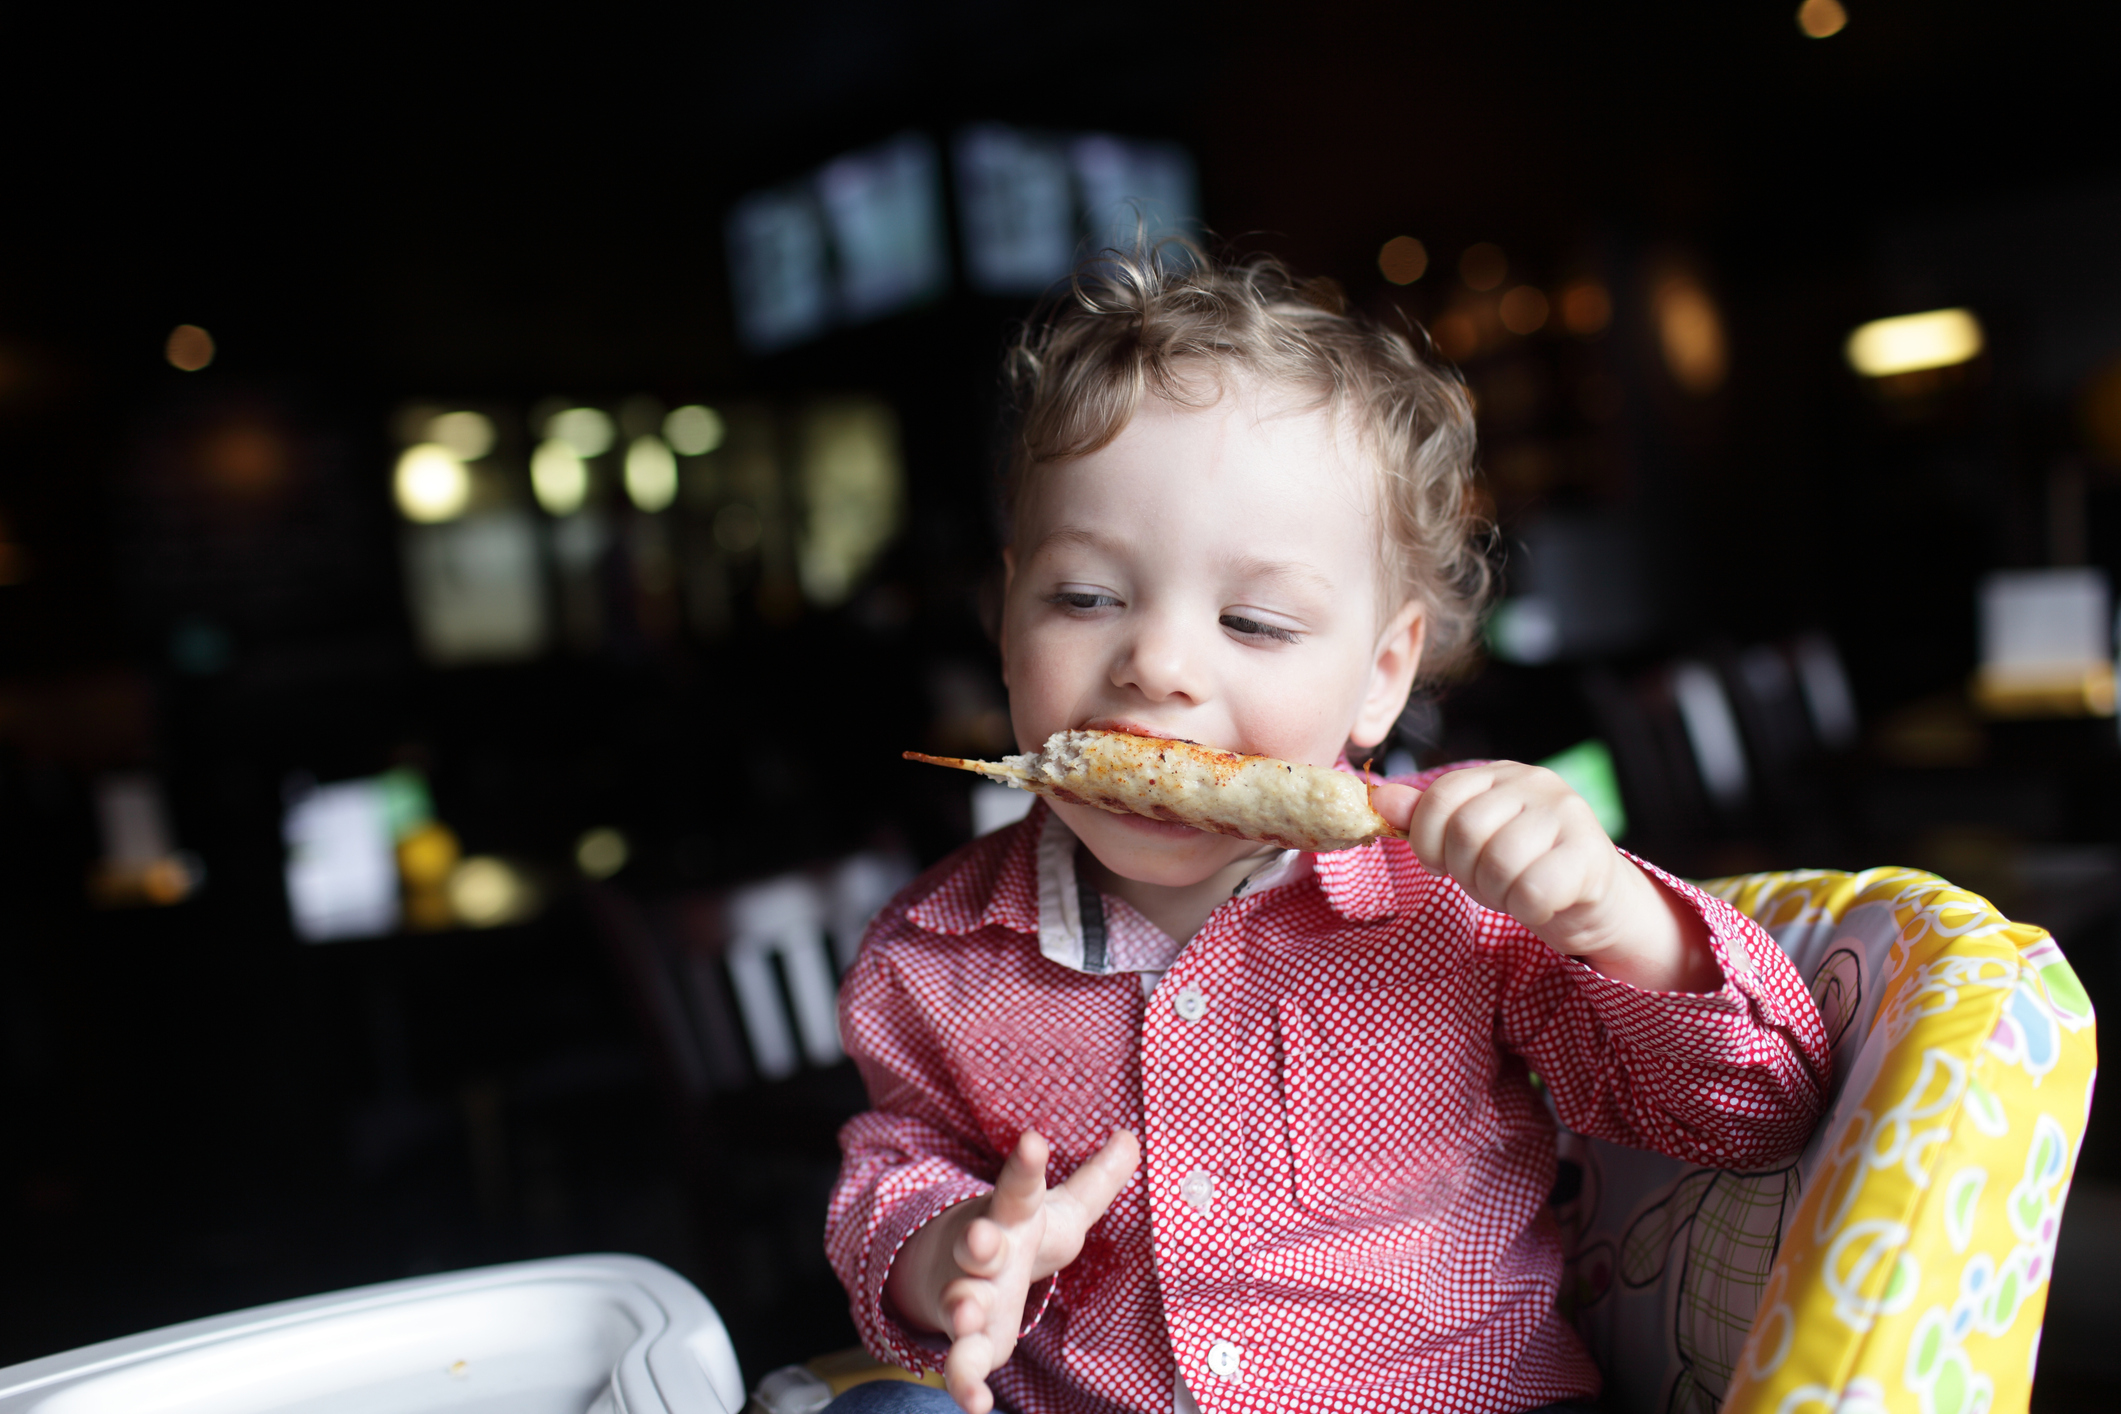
1169,320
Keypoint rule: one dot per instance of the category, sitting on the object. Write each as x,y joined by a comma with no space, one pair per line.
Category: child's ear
1391,675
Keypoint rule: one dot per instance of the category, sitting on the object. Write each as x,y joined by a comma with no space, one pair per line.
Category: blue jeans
893,1397
905,1397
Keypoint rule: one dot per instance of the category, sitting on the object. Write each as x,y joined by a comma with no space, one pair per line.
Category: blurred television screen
342,870
884,206
1126,182
777,265
1016,212
863,236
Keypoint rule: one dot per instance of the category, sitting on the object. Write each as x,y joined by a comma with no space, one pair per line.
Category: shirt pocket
1388,1093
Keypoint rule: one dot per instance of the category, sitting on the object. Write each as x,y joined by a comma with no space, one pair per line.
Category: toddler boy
1164,1119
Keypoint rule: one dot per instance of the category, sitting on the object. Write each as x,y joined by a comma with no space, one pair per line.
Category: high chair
1901,1261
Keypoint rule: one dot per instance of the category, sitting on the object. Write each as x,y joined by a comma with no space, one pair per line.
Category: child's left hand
1520,841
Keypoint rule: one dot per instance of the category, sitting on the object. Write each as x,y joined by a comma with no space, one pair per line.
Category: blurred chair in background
737,992
1709,746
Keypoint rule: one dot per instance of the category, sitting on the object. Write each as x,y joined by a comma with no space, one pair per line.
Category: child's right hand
967,1273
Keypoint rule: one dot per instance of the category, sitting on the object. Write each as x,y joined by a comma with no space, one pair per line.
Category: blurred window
852,487
476,588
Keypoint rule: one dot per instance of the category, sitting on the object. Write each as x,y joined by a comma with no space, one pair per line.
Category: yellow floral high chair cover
1901,1262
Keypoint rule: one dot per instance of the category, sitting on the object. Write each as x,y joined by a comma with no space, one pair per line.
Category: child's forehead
1268,443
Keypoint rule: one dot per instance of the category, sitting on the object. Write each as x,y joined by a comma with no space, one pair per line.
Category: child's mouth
1115,724
1154,829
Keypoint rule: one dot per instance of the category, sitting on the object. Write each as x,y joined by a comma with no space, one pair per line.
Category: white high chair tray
575,1335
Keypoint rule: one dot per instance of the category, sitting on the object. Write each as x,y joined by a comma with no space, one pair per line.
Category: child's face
1211,574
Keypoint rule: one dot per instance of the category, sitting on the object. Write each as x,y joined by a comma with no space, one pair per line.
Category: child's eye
1253,628
1083,599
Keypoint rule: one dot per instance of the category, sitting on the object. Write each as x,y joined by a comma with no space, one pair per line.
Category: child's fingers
1548,887
1395,802
1103,1175
1021,1188
965,1371
1517,845
965,1304
981,1248
1436,807
1472,826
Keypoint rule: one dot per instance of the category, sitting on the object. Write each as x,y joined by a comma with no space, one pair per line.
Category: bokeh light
467,434
1690,333
1482,266
431,484
1524,310
1822,19
1456,334
651,474
559,478
693,430
2099,412
189,348
1912,342
601,852
853,488
1403,260
1586,308
427,854
588,430
486,892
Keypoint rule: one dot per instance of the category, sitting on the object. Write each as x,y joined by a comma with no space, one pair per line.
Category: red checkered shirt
1346,1160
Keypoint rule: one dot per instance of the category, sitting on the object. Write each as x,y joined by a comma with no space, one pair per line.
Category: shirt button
1191,1003
1198,1190
1223,1359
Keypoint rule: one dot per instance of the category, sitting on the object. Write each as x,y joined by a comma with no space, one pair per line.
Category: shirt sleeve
1733,1078
917,1153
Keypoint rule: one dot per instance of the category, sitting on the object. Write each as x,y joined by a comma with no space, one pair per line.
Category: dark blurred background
484,499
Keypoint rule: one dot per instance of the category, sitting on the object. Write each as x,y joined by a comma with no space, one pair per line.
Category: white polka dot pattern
1341,1205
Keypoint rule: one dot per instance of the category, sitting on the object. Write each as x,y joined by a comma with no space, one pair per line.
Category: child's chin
1155,851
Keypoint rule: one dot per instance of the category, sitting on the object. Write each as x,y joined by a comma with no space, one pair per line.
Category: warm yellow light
1912,342
1403,260
189,348
1524,310
1822,18
468,434
1690,334
651,474
1483,266
601,853
693,430
558,477
486,892
431,484
427,855
587,430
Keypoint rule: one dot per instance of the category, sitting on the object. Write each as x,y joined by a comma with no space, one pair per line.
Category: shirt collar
1023,878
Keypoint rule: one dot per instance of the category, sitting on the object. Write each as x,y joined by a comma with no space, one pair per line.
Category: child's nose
1163,661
